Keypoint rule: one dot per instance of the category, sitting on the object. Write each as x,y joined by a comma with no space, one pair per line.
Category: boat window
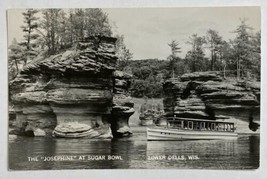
185,124
229,127
220,127
232,127
196,125
208,126
202,124
213,126
190,125
225,127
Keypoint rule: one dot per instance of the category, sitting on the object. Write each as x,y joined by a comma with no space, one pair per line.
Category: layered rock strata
34,116
206,95
70,93
123,106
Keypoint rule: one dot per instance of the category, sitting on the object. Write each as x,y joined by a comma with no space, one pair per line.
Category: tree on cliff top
30,36
97,22
214,43
175,49
195,57
242,48
224,57
93,21
60,29
50,30
256,54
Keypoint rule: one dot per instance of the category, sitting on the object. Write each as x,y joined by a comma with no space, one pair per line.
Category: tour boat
192,129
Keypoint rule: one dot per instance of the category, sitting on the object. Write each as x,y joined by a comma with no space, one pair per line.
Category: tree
256,54
173,57
77,20
195,57
97,22
63,31
60,29
71,28
15,56
174,48
50,29
214,43
242,47
30,21
225,53
88,22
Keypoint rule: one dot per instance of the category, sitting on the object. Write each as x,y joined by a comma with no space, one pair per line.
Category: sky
147,31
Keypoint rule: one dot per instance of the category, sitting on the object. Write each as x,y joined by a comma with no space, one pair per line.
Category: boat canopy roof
199,120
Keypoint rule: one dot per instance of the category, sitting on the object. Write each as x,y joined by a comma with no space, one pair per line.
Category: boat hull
175,134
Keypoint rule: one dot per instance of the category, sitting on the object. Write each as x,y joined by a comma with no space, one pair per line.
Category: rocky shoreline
206,95
79,93
71,94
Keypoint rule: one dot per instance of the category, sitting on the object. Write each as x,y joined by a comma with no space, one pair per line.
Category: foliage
214,44
255,68
141,88
243,49
173,57
51,30
16,56
195,57
148,74
30,35
60,29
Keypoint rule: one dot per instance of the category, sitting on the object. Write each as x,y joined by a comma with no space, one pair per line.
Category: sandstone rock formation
206,95
123,106
72,92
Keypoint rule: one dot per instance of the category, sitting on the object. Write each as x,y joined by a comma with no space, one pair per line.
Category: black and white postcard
134,88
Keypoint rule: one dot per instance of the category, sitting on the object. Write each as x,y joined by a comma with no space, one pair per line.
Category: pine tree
224,56
51,29
242,47
173,57
97,22
30,36
60,29
195,56
78,23
255,56
214,43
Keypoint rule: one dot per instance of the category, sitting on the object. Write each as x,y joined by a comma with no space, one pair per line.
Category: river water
27,153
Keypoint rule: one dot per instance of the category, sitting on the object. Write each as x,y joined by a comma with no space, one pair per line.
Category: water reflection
135,152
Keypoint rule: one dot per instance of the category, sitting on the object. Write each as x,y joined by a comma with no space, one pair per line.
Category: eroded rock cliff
70,94
123,106
206,95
